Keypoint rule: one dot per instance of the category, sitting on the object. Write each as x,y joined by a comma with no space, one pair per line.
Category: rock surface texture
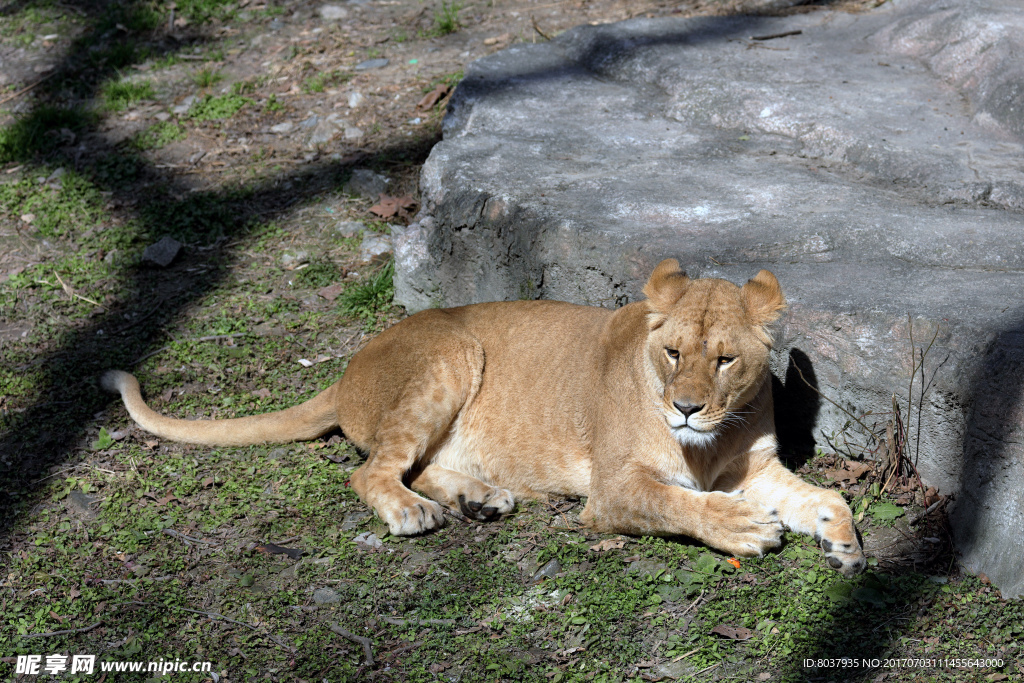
874,162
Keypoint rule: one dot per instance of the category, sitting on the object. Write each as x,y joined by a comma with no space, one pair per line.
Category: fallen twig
537,29
929,510
15,95
456,515
410,646
348,635
395,621
62,633
773,36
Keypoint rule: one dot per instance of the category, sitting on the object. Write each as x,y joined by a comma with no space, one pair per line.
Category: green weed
320,82
367,300
119,95
217,107
39,132
160,134
446,17
207,77
272,104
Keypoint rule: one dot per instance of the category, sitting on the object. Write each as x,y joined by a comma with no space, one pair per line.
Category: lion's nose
687,409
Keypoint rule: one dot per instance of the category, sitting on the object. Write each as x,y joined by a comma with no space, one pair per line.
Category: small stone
673,670
162,116
282,128
353,133
375,249
355,99
367,541
325,596
293,258
353,520
80,505
185,105
332,12
163,252
372,64
366,183
349,229
549,570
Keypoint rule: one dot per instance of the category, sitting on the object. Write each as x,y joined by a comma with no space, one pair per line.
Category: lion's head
708,346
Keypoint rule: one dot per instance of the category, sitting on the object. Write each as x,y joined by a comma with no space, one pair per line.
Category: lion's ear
763,302
666,286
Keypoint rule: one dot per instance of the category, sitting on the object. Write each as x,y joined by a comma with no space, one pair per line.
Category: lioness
660,413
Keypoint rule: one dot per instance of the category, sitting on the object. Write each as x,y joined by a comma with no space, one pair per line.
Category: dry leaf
498,40
433,97
609,544
389,207
733,632
331,293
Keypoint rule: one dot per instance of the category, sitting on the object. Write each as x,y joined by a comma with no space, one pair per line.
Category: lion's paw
487,503
743,527
415,515
837,536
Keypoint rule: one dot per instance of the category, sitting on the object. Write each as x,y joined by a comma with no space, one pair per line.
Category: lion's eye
725,360
672,353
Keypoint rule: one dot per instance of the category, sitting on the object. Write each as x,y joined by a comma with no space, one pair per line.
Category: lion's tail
307,420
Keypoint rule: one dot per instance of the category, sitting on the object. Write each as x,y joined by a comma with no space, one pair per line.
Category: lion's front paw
411,515
487,503
742,527
838,538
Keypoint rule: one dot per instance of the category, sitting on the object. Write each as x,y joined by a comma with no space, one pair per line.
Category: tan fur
660,413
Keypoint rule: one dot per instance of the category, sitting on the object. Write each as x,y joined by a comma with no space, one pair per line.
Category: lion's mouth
689,434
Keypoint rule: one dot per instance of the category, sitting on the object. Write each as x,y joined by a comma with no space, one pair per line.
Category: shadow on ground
46,434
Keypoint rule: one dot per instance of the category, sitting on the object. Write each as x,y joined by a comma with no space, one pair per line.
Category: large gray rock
872,161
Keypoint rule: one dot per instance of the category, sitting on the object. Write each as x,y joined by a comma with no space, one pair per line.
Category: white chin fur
691,437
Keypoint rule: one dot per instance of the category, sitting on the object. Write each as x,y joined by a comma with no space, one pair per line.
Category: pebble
353,133
292,258
162,252
372,64
547,571
185,105
355,99
350,228
368,540
332,12
282,128
374,249
366,183
325,596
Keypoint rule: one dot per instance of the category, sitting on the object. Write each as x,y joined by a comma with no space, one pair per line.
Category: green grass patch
212,108
119,95
160,134
39,132
367,301
320,82
207,77
446,17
